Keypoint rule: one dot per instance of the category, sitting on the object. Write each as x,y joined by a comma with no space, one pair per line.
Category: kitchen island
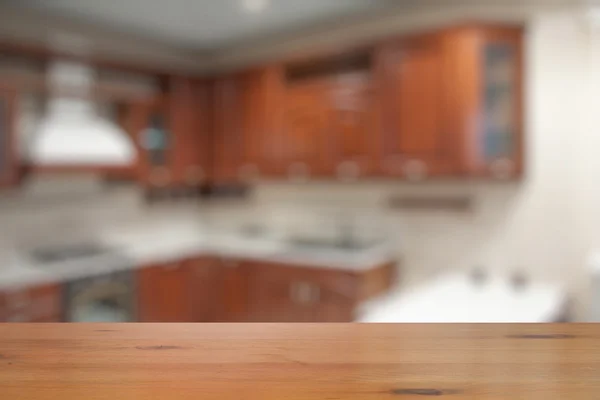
298,361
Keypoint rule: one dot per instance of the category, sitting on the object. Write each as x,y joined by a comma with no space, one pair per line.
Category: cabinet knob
298,172
502,168
348,171
415,170
194,175
249,173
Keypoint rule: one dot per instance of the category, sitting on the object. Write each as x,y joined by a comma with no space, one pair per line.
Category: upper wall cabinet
331,124
172,134
247,125
8,162
488,65
228,136
189,111
307,127
452,104
416,141
354,125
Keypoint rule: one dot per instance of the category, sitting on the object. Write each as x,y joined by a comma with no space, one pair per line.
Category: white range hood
72,133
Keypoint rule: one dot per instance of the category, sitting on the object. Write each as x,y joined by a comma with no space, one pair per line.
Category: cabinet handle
248,173
502,168
298,172
415,170
194,175
348,171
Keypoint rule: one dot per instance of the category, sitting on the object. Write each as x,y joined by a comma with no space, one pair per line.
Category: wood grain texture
298,361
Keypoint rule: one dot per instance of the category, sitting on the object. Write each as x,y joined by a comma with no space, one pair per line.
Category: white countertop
455,298
147,247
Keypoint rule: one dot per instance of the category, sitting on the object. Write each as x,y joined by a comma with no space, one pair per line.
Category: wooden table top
298,361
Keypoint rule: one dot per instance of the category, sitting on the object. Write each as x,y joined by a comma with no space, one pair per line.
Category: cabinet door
163,294
235,294
283,299
295,294
228,138
8,170
248,125
149,123
262,110
354,128
499,137
307,129
206,289
416,142
188,108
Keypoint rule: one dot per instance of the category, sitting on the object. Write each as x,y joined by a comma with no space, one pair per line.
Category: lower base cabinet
296,294
183,291
231,290
35,304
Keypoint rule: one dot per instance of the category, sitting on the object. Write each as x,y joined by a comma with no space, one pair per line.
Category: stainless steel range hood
72,132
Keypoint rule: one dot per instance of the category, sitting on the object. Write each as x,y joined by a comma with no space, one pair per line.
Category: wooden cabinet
247,125
235,275
284,293
354,126
307,137
416,139
191,290
206,287
163,294
172,134
487,109
8,161
452,104
296,293
189,111
36,304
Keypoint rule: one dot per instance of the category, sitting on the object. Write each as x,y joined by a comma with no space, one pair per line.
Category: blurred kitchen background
299,161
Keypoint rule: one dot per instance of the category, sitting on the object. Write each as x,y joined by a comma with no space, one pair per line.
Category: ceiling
204,24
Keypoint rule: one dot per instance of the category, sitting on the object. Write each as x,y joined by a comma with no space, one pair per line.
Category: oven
99,282
110,297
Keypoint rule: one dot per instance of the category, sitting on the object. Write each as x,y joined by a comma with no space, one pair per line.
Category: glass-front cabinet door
499,139
7,127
